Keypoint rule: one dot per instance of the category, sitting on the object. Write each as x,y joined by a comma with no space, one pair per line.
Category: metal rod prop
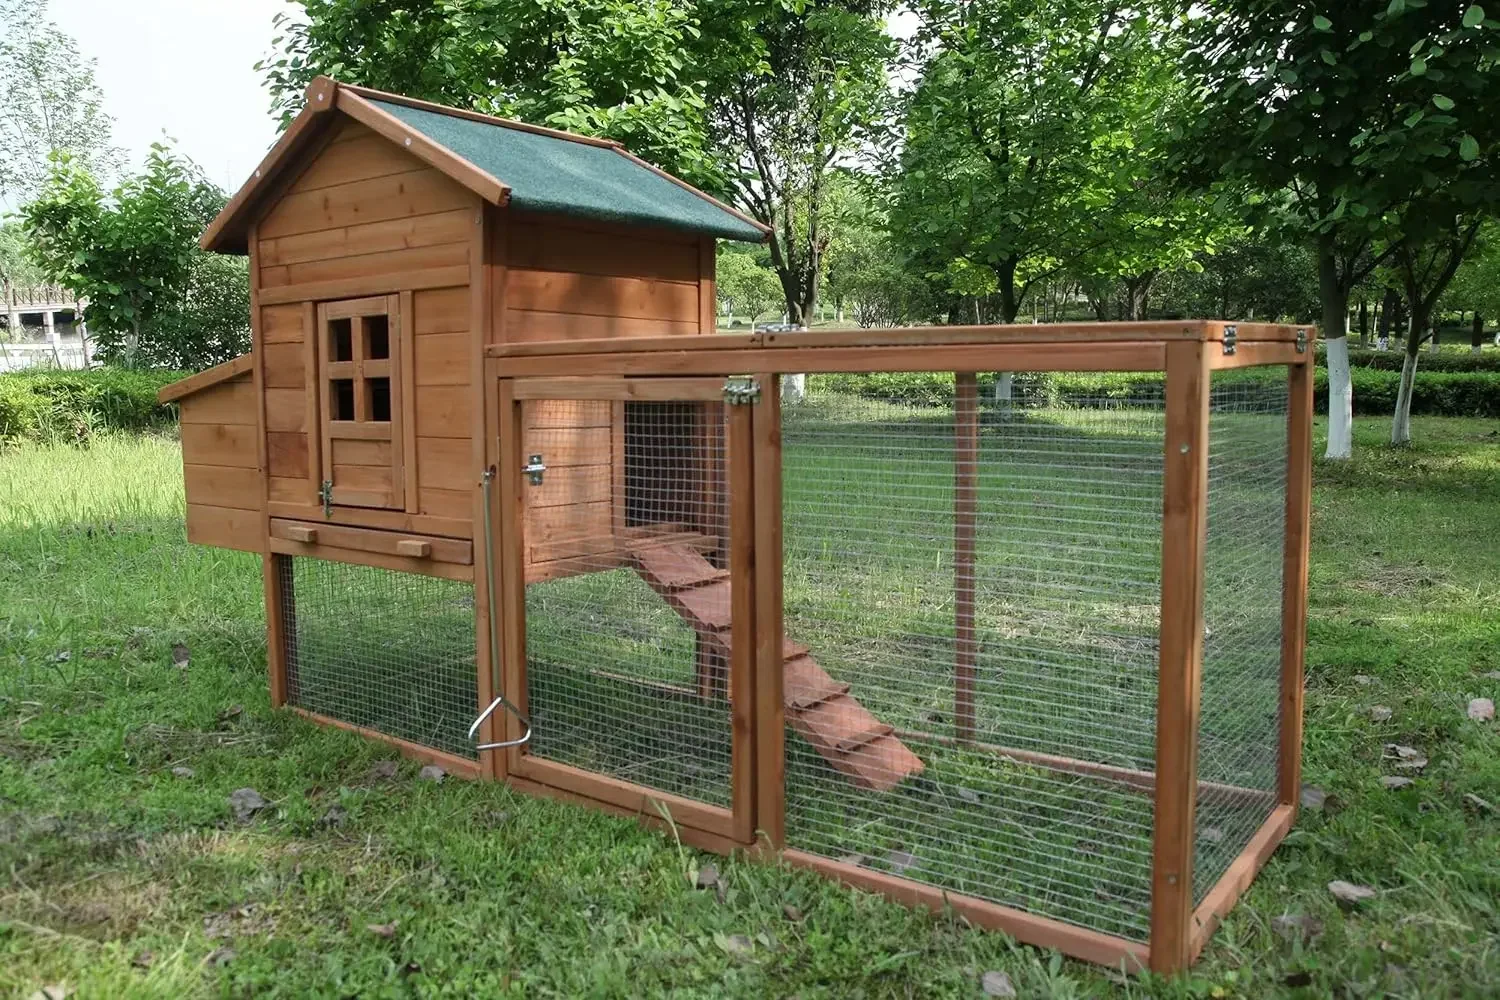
489,579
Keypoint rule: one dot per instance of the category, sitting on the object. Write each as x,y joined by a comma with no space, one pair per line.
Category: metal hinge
325,494
741,389
1231,336
1301,341
534,469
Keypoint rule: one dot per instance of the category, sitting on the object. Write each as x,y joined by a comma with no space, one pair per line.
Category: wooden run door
362,409
625,532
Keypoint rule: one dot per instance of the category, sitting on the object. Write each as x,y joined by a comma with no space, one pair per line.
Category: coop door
633,514
358,362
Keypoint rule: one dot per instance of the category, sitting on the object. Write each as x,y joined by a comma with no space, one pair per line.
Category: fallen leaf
431,773
996,984
382,930
1394,781
180,655
1407,758
61,656
968,795
1493,675
1412,763
183,772
1294,927
1481,709
1348,892
791,913
383,769
708,876
335,816
221,957
854,859
900,861
1313,797
1297,979
1483,806
1379,713
232,712
735,944
246,802
1364,680
143,959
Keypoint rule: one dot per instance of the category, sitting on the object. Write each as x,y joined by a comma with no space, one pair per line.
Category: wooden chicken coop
1033,653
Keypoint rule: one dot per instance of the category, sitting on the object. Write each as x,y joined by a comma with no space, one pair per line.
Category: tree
1327,115
1476,286
1252,274
756,100
133,254
49,101
1030,143
745,284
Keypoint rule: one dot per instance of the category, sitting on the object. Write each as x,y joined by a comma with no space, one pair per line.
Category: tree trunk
1476,333
1364,322
1433,344
132,343
1387,311
1010,304
1401,422
1335,301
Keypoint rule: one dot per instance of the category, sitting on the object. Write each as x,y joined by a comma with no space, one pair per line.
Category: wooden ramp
819,708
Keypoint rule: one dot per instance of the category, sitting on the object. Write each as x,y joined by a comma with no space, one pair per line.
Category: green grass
108,855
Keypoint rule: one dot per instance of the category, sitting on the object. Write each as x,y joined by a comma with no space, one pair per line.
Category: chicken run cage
1027,647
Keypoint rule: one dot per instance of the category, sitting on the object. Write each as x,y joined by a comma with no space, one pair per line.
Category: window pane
340,340
341,399
379,398
377,337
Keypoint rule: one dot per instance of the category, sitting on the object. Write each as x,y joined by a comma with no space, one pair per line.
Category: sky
183,66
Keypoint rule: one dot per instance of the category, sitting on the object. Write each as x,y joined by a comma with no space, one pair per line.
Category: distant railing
36,296
18,357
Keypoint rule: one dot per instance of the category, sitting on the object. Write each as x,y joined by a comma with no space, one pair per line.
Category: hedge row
53,405
1487,360
1451,394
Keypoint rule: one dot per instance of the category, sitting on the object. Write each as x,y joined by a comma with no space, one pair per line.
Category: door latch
325,494
534,469
741,390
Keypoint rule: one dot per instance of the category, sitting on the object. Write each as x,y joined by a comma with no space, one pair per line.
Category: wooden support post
1184,534
1294,578
770,709
510,543
965,503
281,623
739,659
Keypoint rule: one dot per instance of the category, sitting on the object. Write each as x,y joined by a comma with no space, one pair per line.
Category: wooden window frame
360,370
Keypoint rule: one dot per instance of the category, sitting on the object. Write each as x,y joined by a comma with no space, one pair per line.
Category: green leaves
1322,23
1474,16
1468,148
1418,66
1442,103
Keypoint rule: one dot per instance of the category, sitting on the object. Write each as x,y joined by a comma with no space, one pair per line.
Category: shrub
1443,361
1437,393
47,404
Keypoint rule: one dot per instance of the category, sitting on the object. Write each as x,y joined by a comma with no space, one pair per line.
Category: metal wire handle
489,576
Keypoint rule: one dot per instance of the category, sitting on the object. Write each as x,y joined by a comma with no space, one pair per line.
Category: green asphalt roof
548,174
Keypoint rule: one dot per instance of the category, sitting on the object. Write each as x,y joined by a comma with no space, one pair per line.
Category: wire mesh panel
389,651
972,592
628,611
1238,715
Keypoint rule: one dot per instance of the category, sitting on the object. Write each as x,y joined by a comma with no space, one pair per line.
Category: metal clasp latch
740,390
1231,336
534,469
1301,341
325,494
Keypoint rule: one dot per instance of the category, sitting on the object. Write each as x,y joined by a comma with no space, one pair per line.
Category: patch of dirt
1400,581
102,907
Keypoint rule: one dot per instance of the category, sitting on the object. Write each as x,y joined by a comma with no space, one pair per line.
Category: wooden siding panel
219,444
528,325
585,446
565,532
222,486
443,359
564,486
457,504
224,527
452,226
441,310
286,410
418,192
286,490
352,452
286,454
641,298
358,265
359,158
443,411
231,402
281,324
560,413
444,463
285,366
549,246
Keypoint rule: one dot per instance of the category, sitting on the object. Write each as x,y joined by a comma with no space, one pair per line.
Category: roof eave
205,379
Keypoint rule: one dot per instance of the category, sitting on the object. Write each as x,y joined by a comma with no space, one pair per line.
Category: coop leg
711,667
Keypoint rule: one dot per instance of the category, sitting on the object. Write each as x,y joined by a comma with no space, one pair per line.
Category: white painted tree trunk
1476,348
793,388
1004,387
1401,423
1340,400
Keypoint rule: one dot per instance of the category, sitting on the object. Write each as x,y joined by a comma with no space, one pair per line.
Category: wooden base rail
457,766
1238,876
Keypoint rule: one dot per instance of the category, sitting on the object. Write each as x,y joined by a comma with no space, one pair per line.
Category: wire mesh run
390,651
981,577
628,592
1238,715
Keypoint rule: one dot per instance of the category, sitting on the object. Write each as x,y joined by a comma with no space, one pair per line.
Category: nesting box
1029,648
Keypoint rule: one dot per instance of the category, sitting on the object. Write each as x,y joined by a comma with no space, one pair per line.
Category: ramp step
705,607
675,567
853,742
804,684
